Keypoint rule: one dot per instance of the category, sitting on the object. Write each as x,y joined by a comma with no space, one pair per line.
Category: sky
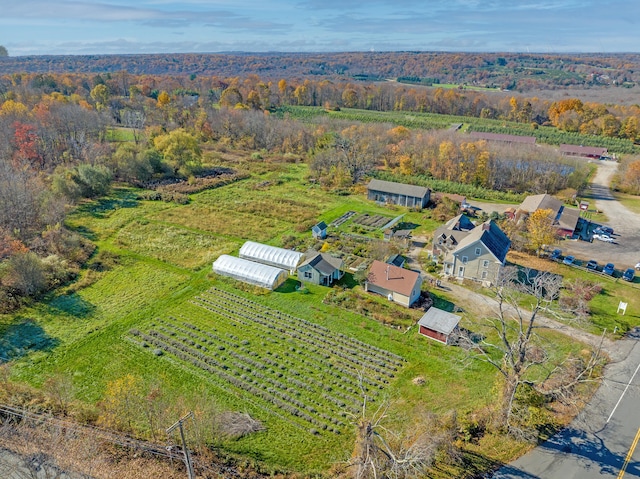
43,27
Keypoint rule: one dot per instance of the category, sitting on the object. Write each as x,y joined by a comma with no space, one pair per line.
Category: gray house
480,255
320,268
411,196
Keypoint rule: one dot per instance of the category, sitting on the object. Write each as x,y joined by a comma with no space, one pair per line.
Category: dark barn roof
398,188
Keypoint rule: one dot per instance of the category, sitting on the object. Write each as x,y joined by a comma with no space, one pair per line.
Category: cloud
75,11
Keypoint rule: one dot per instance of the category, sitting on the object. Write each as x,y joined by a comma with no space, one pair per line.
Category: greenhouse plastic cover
250,271
263,253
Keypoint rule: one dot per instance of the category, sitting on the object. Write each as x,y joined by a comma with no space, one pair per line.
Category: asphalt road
601,442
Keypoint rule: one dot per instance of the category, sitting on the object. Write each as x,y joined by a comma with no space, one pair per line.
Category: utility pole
187,459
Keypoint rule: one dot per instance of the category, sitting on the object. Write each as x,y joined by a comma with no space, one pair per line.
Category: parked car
592,264
629,274
556,253
603,230
609,268
637,266
569,259
603,237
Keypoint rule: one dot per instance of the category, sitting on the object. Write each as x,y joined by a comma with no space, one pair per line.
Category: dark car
592,264
555,254
609,268
569,259
629,274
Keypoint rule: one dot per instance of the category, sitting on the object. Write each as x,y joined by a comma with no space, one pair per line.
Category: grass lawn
604,305
161,284
630,201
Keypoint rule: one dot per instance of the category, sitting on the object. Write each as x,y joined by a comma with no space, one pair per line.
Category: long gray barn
411,196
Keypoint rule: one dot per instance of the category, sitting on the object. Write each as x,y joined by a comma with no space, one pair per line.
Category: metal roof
398,188
251,272
439,320
271,255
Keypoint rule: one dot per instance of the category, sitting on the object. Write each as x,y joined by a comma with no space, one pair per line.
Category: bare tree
381,453
522,357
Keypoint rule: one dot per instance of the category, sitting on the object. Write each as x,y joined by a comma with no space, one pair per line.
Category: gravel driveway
625,252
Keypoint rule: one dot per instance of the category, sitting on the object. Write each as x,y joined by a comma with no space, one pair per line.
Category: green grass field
630,201
161,284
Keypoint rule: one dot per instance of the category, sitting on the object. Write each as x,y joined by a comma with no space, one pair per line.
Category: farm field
153,310
428,121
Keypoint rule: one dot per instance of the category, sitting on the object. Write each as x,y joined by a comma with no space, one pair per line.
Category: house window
465,260
484,274
485,263
307,274
478,251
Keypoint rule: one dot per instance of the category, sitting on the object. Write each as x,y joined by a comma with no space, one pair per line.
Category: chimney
486,226
388,266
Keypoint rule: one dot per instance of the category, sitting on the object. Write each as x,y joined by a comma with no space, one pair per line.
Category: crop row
339,337
349,380
350,396
235,376
317,343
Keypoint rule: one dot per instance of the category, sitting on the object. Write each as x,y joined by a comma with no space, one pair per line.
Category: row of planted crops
297,370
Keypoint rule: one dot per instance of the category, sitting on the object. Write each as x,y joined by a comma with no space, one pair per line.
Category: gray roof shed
439,320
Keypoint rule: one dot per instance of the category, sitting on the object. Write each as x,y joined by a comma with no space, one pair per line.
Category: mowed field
156,312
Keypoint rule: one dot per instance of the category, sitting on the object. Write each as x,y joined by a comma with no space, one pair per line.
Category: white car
605,238
638,266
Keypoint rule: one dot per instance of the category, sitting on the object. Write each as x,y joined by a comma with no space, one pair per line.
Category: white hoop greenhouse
250,272
271,255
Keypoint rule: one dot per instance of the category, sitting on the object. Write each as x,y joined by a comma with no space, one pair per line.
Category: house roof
456,229
459,223
541,202
398,188
392,278
396,260
490,235
582,150
325,263
439,320
568,219
452,196
402,234
481,135
564,218
319,226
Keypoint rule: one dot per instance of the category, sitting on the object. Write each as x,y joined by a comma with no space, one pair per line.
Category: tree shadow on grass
73,305
18,340
443,303
289,286
102,207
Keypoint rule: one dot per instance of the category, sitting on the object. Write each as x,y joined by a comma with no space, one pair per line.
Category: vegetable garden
291,368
